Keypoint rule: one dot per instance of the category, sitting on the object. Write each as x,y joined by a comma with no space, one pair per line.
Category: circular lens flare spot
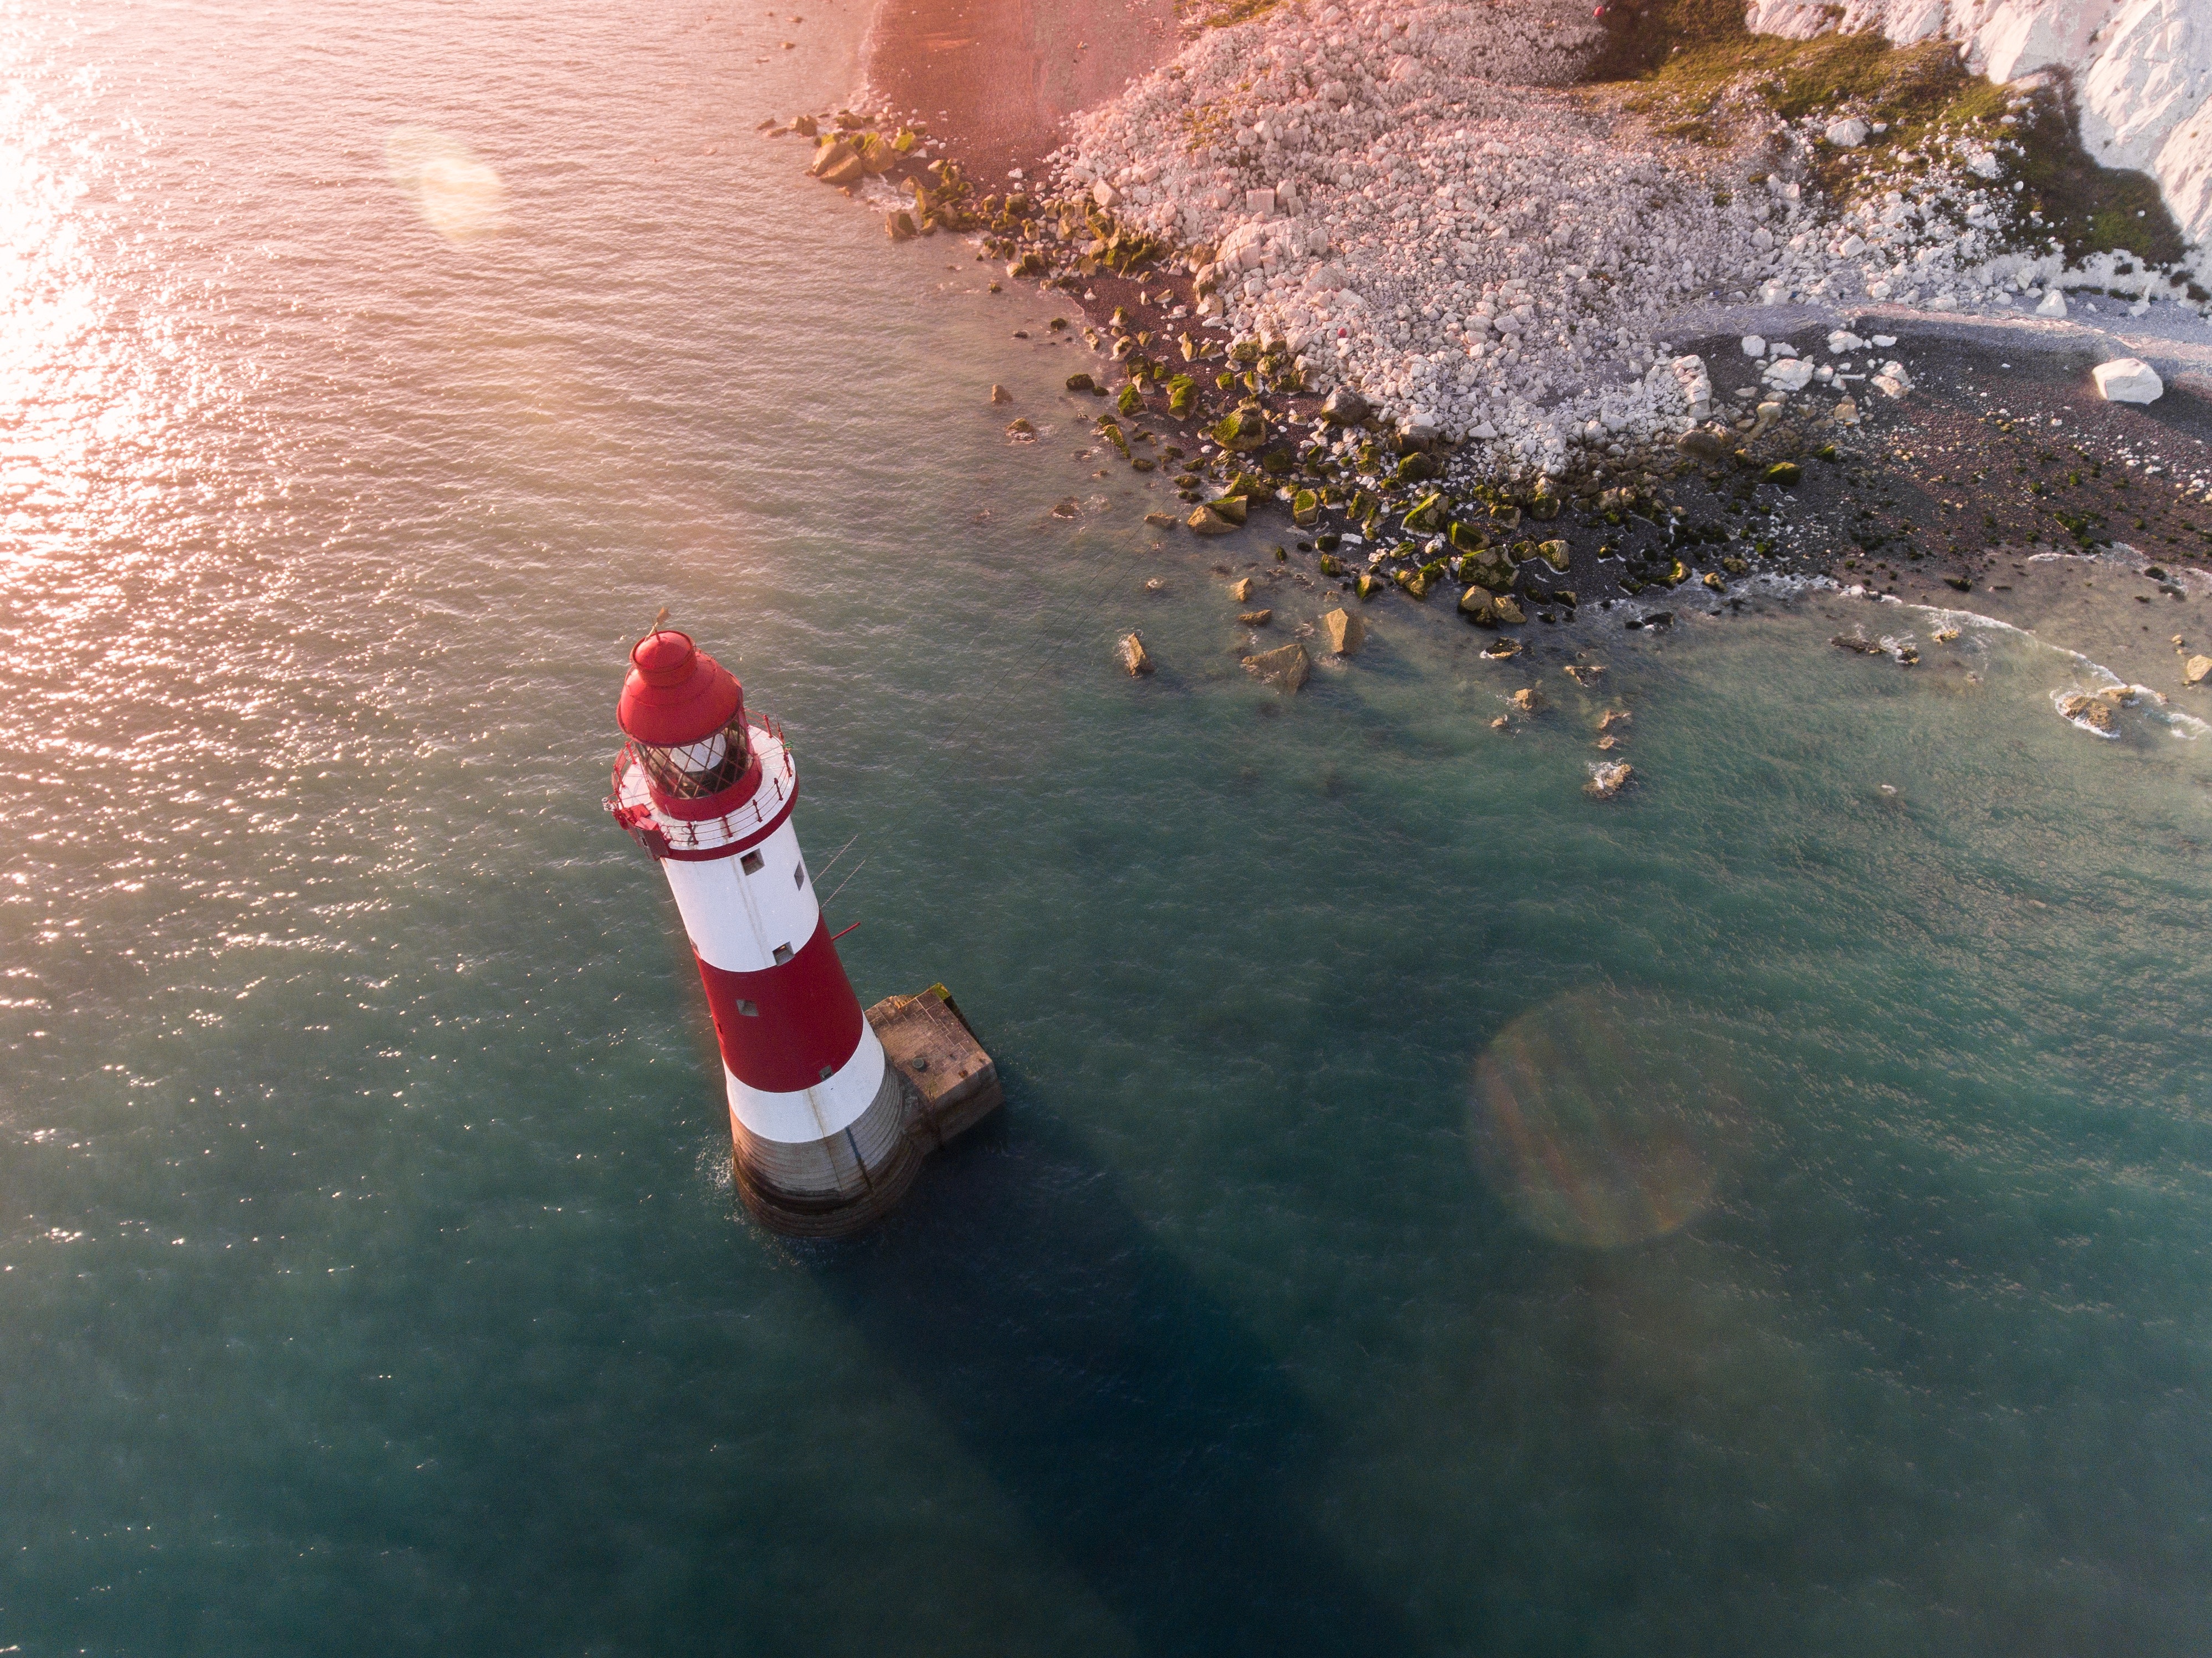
1599,1117
458,195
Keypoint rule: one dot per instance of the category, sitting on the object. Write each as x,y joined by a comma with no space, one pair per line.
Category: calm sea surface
1435,1211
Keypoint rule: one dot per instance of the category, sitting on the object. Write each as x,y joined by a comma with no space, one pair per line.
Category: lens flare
1600,1117
458,195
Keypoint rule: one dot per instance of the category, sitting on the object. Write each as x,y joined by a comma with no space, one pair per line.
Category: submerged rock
1255,618
1241,589
1134,657
1853,642
1287,666
1607,778
2091,711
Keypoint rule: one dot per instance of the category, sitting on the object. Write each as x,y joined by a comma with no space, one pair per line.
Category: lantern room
686,715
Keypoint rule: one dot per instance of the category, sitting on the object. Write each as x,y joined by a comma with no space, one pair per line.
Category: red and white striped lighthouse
817,1123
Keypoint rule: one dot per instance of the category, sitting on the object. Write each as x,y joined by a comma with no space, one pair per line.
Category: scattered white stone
1885,341
2053,305
1892,381
1847,134
1754,346
2128,380
1841,340
1788,373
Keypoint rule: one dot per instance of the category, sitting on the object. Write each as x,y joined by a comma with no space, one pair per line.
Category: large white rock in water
1847,134
2128,380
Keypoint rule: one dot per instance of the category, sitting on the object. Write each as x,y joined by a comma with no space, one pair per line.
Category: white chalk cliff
2141,71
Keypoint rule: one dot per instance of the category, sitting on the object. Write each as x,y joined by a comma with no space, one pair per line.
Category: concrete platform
952,1084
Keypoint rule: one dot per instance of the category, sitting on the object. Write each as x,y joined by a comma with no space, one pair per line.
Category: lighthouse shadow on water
1147,1436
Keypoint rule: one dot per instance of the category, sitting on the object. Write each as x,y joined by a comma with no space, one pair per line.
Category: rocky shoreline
1646,471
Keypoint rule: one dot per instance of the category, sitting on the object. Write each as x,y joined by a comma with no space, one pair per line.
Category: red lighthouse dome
676,693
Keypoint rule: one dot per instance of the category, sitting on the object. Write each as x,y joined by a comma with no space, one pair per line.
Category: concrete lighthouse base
938,1084
832,1187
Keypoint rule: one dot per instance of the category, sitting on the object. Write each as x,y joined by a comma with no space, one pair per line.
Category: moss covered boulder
1241,432
1428,516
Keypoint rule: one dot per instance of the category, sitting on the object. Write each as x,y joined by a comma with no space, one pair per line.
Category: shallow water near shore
1436,1212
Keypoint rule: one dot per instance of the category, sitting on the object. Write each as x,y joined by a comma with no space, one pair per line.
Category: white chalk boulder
2053,305
1847,134
1754,346
1788,373
2128,380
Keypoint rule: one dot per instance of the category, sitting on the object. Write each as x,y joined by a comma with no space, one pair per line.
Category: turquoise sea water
1435,1211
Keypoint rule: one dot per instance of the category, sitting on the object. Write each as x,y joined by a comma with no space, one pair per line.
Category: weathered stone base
835,1188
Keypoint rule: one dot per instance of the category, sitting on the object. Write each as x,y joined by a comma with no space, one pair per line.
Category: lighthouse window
749,1010
799,875
751,862
782,954
696,770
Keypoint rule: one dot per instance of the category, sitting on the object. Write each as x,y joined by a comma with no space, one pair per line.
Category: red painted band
805,1018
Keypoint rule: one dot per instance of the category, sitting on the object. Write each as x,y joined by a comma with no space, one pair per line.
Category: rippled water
370,1280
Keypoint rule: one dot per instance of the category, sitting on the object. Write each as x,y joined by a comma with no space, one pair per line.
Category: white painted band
817,1113
737,920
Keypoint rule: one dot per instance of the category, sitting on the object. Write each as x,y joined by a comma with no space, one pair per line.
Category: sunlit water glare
370,375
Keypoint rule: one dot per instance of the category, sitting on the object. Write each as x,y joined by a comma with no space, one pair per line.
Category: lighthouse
823,1127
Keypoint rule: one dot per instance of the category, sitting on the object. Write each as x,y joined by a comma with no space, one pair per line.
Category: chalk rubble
1407,200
